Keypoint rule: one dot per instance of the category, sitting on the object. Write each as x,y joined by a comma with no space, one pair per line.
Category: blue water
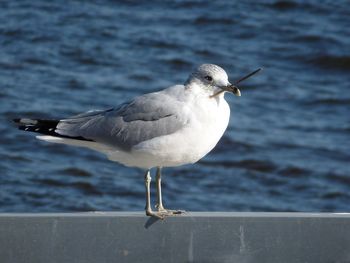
287,147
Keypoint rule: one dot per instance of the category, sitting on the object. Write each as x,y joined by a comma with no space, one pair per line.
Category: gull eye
208,78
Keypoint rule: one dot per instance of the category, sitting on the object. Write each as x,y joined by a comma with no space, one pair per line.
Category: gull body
176,126
206,121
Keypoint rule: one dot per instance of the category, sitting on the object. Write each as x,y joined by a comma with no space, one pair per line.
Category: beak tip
237,92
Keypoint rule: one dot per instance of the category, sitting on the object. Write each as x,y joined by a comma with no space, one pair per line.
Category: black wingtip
46,127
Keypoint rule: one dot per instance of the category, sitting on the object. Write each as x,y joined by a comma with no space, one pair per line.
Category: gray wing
142,119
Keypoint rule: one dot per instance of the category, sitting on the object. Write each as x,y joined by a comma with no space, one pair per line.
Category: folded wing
146,117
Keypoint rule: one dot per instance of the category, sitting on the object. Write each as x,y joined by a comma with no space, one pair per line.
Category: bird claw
162,213
155,214
169,212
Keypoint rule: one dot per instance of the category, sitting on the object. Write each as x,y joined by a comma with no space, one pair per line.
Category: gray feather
131,123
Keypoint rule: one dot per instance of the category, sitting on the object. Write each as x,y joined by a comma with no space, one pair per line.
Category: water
287,144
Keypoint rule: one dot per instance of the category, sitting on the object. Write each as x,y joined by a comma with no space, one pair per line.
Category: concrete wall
195,237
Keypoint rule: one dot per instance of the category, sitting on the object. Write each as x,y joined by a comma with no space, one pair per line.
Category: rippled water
287,144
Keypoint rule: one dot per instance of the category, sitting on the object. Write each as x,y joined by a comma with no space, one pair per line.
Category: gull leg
149,211
159,205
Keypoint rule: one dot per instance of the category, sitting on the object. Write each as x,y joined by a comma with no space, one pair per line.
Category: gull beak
232,88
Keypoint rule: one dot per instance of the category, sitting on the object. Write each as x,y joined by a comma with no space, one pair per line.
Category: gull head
213,80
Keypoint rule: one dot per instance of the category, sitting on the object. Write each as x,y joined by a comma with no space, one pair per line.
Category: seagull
172,127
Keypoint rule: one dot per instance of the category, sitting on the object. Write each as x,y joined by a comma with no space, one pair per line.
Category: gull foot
162,213
155,214
168,212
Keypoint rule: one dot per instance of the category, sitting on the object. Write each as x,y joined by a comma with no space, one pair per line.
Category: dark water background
287,147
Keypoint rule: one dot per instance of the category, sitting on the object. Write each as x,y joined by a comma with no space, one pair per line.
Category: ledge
194,237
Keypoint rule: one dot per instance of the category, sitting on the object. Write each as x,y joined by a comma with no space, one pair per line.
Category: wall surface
194,237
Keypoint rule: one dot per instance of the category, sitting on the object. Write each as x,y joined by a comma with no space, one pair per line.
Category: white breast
212,118
207,124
